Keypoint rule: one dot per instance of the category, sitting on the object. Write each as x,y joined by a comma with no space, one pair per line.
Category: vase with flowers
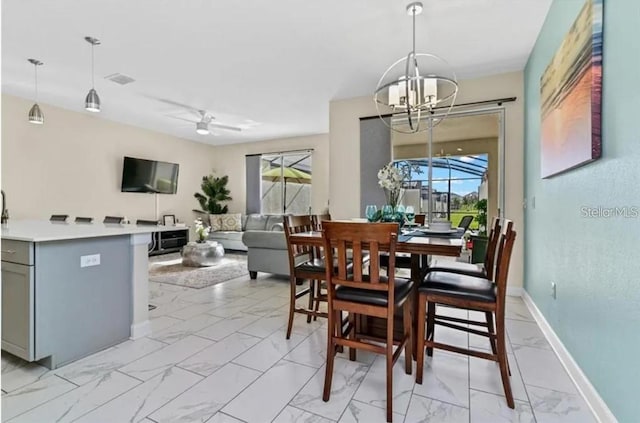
202,232
390,179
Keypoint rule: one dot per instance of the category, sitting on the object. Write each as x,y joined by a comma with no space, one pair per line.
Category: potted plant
480,241
215,192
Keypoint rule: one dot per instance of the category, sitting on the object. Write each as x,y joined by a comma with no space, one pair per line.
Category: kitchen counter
43,231
73,289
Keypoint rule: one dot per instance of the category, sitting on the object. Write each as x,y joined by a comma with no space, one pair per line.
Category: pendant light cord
413,13
93,85
36,78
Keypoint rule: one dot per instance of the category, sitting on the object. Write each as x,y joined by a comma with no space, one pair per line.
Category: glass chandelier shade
414,86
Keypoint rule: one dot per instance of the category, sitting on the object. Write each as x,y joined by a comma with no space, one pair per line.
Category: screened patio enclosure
457,184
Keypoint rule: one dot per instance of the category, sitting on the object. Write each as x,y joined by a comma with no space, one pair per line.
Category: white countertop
42,230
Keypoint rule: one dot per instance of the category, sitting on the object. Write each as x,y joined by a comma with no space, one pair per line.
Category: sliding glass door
286,183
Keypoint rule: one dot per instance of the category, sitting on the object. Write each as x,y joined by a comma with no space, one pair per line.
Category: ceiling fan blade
180,118
223,126
184,106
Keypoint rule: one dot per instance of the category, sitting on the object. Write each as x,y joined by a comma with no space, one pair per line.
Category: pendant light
35,114
415,86
92,101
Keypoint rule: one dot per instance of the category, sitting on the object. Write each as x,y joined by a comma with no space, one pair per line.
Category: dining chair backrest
346,240
59,217
490,257
298,252
420,219
465,222
317,220
80,219
113,219
506,240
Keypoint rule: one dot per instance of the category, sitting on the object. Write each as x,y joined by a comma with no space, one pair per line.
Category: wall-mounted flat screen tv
139,175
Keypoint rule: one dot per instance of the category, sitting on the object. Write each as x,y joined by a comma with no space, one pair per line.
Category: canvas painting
571,96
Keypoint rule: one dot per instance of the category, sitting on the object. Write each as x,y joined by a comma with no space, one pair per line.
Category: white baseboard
140,330
514,291
595,402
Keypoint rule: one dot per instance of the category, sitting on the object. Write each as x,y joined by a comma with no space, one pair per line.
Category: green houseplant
215,192
480,241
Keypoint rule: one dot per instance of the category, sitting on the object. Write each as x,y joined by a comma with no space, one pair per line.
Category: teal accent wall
594,261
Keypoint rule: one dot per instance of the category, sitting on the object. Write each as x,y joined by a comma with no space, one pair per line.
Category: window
286,183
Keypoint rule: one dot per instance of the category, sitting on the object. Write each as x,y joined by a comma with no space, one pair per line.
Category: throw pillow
231,222
216,222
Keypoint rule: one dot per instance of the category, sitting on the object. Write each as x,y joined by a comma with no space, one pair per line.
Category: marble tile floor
218,355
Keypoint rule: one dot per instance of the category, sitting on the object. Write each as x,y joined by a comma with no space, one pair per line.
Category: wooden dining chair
482,271
304,263
317,220
58,217
113,219
403,260
80,219
469,293
352,290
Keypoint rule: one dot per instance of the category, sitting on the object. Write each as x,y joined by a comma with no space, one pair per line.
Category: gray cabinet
17,307
18,299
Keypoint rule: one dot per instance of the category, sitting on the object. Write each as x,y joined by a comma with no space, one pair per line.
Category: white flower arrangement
390,178
201,231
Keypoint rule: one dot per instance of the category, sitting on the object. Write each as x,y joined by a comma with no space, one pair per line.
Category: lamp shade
35,115
92,102
202,128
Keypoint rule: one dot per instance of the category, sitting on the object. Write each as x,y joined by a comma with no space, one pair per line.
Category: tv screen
139,175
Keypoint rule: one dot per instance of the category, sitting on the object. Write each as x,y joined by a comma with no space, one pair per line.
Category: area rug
168,268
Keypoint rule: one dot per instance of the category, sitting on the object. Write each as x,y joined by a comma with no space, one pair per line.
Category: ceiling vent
119,78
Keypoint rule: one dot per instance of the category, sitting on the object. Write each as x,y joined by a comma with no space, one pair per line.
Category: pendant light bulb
92,101
35,114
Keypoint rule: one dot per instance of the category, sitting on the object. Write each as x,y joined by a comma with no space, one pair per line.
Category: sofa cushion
231,235
256,222
274,222
216,222
231,222
273,240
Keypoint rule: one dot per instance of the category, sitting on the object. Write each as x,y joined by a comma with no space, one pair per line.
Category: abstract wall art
571,96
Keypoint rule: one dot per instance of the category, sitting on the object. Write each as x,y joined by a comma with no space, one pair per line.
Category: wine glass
370,211
410,214
387,213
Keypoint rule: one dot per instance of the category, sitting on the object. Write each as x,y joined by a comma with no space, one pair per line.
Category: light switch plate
90,260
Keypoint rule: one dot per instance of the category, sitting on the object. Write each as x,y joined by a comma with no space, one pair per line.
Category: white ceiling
277,63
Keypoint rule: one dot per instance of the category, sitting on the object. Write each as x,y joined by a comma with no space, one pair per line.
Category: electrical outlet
553,290
90,260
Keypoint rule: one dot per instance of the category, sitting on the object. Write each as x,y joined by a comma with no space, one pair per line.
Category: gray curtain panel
375,152
254,183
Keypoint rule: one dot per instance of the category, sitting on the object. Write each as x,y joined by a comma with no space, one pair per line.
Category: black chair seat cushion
318,266
459,286
477,273
378,298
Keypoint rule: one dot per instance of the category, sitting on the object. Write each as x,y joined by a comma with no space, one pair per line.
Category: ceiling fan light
35,115
202,128
92,102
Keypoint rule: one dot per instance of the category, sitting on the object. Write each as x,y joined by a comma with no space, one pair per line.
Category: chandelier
414,86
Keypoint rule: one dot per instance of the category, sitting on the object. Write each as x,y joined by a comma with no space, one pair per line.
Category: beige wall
230,160
73,165
344,140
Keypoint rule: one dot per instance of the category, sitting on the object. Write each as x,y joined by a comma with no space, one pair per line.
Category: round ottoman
200,254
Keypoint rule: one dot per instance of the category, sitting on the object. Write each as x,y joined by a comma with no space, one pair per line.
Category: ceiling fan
204,118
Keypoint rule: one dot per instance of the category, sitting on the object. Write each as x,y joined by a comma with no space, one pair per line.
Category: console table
169,241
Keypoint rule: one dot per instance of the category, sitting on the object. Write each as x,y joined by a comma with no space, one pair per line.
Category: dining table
420,246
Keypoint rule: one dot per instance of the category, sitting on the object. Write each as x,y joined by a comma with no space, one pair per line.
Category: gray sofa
266,245
262,237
